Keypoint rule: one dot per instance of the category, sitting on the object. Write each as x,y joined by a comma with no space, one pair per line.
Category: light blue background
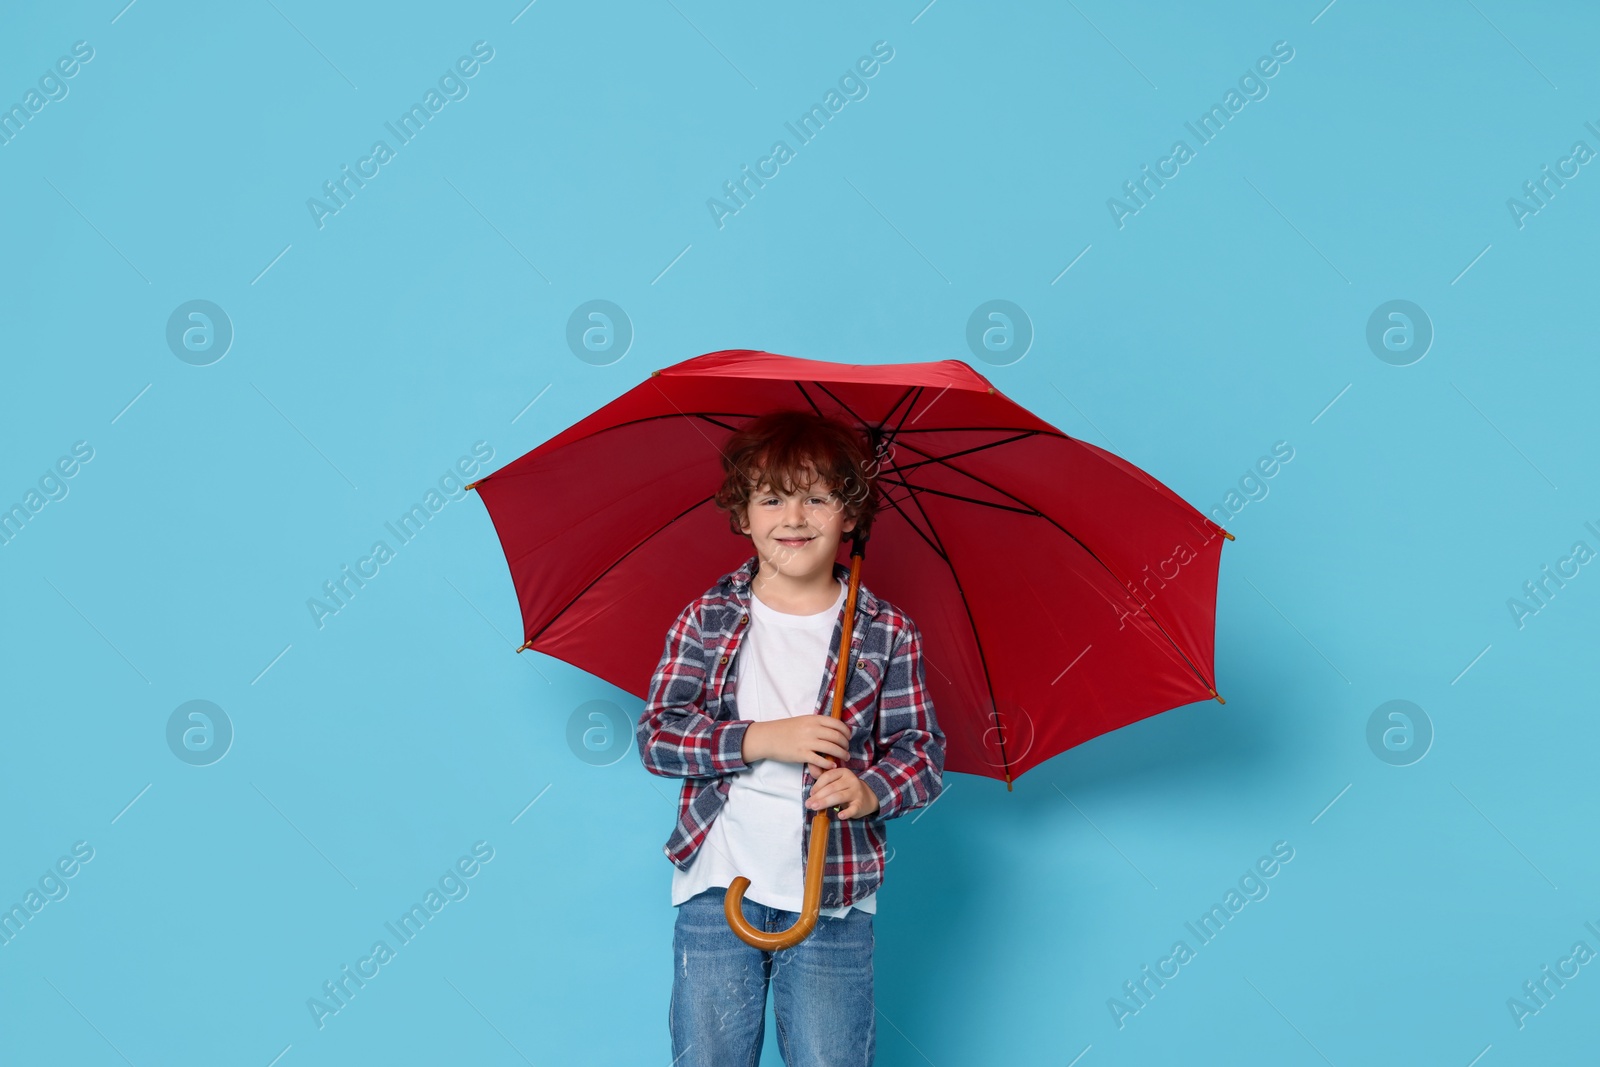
432,310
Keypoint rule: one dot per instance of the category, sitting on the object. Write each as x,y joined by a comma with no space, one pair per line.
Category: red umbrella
1061,591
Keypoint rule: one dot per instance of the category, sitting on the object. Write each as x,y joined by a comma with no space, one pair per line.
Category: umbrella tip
1217,695
1228,535
525,644
472,485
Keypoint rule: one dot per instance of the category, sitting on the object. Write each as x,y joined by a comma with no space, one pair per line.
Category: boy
740,708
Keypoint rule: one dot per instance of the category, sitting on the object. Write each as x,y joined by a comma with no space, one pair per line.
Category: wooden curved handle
810,907
817,854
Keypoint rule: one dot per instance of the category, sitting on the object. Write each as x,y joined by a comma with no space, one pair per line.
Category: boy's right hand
818,740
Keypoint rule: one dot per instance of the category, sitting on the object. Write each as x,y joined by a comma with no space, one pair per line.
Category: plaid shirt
690,727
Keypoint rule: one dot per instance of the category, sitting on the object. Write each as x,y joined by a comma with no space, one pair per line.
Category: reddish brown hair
775,449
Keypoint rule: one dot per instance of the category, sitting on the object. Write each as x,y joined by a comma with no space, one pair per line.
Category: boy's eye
809,500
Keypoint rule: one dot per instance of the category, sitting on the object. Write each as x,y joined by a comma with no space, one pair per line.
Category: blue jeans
822,989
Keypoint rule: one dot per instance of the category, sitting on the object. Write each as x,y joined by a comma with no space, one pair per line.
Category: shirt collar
738,582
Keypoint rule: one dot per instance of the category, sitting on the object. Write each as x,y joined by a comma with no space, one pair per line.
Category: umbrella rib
877,426
612,566
713,421
983,660
971,500
899,428
813,403
938,549
933,543
1050,432
836,400
966,451
1130,588
887,416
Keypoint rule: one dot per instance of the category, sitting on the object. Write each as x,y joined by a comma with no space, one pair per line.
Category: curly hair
775,448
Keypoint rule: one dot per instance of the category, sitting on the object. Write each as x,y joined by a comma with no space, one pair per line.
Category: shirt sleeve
910,774
677,739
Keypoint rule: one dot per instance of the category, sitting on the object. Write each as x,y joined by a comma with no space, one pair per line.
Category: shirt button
724,659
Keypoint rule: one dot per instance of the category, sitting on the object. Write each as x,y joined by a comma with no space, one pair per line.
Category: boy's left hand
840,786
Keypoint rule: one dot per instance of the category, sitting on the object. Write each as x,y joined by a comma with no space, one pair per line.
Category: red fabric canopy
1061,591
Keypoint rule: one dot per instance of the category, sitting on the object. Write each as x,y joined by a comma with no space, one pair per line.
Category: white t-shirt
758,831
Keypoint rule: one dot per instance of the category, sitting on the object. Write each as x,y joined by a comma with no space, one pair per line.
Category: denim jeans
821,989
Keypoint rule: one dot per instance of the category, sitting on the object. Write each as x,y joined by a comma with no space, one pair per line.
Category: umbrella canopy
1061,591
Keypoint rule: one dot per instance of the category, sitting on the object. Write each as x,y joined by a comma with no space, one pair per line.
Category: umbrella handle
817,855
810,907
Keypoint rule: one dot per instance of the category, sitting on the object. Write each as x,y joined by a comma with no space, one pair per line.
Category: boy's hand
820,740
841,786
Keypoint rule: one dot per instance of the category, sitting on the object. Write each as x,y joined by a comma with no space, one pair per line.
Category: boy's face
797,533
